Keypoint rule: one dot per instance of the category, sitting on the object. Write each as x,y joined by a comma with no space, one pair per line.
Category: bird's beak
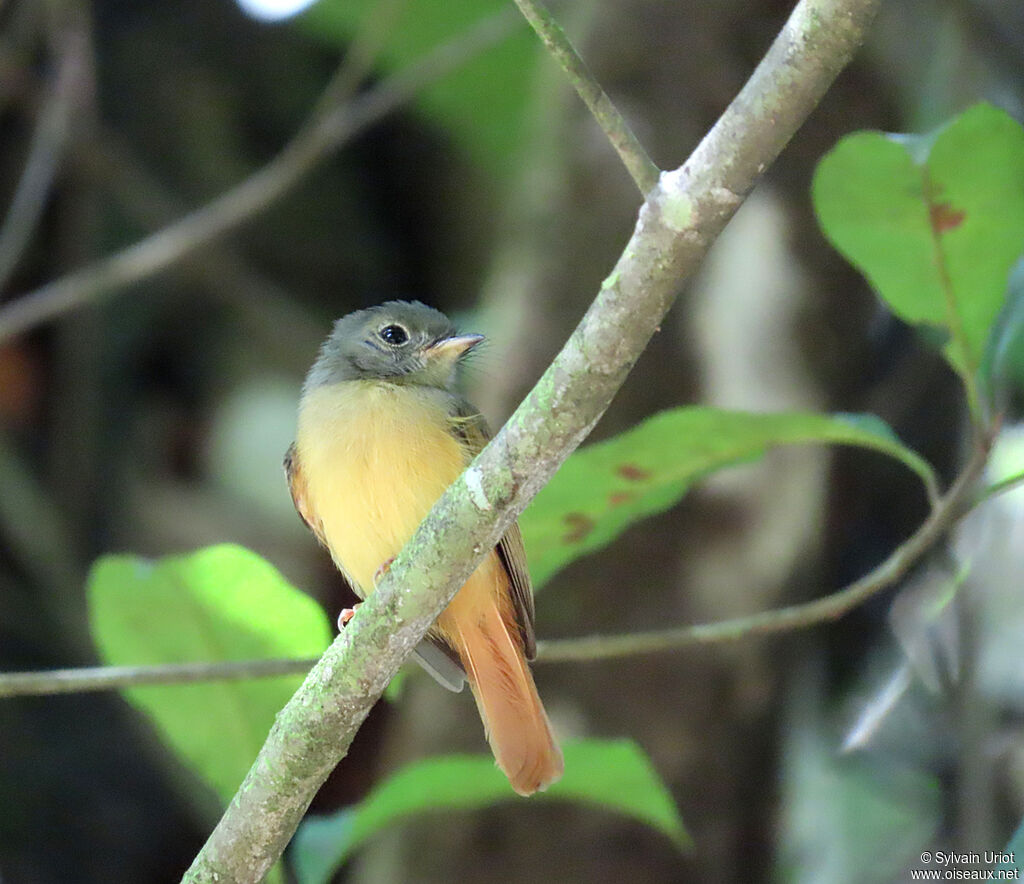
450,349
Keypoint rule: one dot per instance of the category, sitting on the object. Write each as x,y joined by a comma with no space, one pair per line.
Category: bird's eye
394,335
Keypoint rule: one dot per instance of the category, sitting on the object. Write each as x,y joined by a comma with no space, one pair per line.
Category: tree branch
632,153
1010,483
680,218
106,678
44,154
956,503
326,133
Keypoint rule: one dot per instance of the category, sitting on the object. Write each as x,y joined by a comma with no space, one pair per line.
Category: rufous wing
300,494
471,427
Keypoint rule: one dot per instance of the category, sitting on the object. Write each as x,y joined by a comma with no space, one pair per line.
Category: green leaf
934,223
1003,362
615,775
220,603
498,80
604,488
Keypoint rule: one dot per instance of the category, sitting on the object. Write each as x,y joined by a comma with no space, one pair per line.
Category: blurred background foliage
154,422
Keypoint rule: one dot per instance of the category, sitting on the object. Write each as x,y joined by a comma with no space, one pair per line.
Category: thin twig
108,678
373,35
960,499
632,153
313,144
1000,487
266,311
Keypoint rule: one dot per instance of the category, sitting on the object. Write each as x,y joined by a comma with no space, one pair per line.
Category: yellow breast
375,457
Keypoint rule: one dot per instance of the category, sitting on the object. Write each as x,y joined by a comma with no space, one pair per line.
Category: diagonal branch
680,218
1010,483
44,155
315,142
639,165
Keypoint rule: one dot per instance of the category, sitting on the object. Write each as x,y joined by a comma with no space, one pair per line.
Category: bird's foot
381,571
346,615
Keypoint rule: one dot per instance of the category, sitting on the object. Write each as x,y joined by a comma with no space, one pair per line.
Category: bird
382,432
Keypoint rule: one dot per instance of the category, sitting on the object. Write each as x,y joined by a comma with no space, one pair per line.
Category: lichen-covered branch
680,218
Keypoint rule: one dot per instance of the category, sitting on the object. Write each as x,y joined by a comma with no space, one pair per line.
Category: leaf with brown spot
579,527
603,489
945,218
882,199
632,472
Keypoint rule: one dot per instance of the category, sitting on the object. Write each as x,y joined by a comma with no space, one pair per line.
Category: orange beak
450,349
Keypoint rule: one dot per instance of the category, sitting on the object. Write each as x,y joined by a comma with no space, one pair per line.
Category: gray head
404,342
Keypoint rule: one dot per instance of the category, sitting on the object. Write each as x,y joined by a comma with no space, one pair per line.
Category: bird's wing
433,653
472,428
441,662
300,496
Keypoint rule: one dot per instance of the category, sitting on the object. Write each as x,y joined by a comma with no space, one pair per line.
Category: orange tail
514,719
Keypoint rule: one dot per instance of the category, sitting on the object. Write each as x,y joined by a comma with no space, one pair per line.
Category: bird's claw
346,615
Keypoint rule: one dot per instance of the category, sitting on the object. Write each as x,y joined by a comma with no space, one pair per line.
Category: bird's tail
514,719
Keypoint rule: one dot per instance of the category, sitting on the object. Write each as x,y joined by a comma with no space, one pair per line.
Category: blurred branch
630,150
1000,487
105,678
318,139
44,153
373,36
266,311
